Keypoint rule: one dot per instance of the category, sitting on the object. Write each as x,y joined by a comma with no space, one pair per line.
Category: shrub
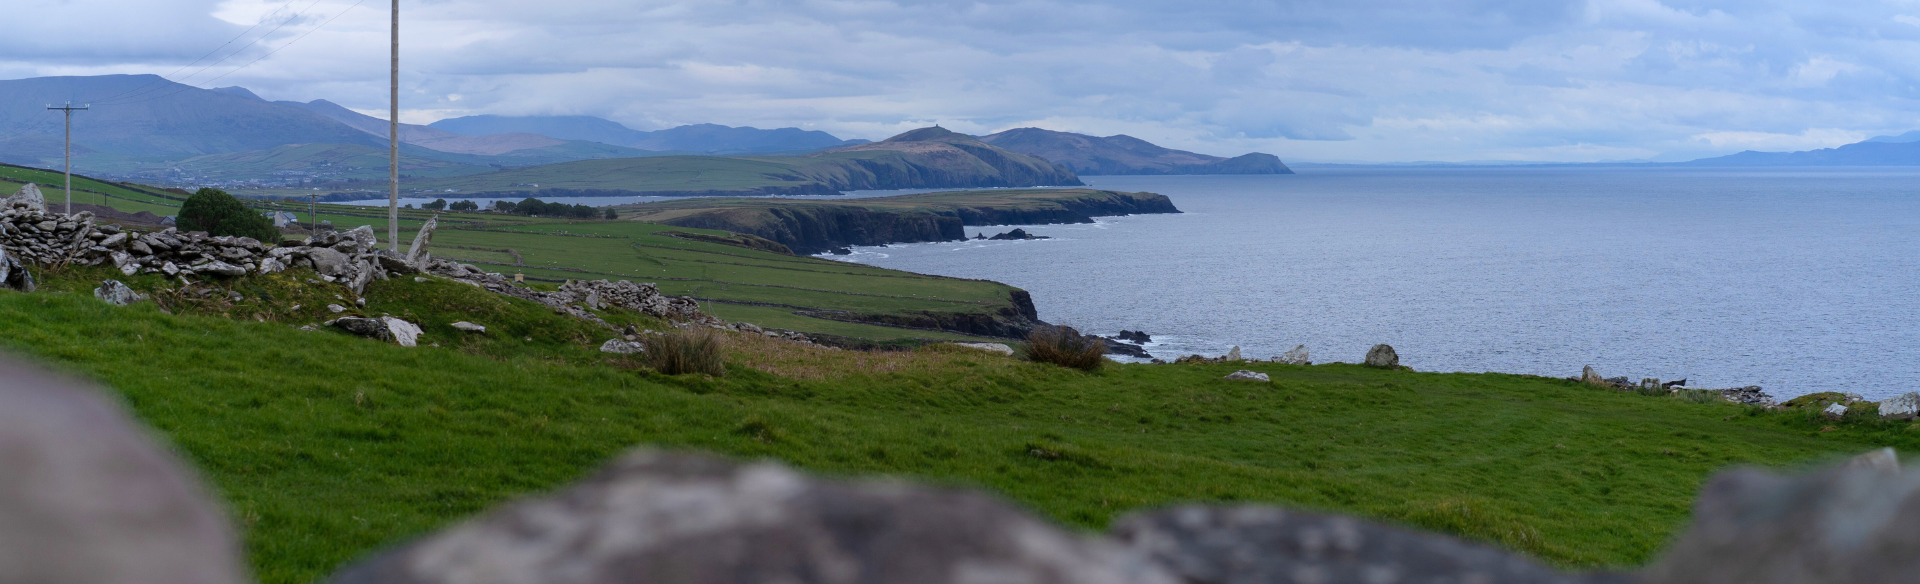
436,205
465,205
681,352
1063,346
218,213
612,214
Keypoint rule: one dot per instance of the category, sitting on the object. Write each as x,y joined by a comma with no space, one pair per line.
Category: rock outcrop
622,347
28,198
1296,356
1902,407
654,517
87,498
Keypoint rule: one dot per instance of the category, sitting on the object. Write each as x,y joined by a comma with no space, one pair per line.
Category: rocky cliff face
1123,154
810,228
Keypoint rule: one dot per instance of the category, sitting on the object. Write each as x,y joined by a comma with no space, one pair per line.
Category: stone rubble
622,347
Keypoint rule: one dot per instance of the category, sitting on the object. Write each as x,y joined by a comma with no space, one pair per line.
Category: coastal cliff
810,227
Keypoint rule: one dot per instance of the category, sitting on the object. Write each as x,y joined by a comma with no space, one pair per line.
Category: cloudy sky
1312,80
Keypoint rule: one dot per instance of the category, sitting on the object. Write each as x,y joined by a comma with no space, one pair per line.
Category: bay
1797,280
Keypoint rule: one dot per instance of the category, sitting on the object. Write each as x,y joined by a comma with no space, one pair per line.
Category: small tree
436,205
465,205
218,213
612,214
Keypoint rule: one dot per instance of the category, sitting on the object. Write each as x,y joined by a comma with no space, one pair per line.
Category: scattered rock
1245,375
403,332
469,327
1750,395
87,497
1834,411
371,328
1297,356
1854,524
1255,544
653,517
14,274
1232,355
1140,337
1000,348
1383,356
622,347
336,309
1905,406
116,293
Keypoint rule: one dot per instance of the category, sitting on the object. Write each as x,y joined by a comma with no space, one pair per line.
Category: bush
465,205
1063,346
436,205
612,214
218,213
681,352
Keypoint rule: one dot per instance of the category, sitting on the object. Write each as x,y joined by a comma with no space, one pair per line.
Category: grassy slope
326,447
633,250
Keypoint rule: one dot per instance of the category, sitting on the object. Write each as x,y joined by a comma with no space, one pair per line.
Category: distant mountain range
1901,150
1123,154
707,138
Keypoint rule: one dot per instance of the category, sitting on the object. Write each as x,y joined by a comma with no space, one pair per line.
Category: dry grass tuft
680,352
1066,347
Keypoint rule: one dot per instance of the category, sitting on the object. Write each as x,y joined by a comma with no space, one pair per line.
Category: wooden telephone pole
393,140
69,109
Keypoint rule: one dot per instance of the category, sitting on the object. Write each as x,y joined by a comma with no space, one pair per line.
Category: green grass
327,447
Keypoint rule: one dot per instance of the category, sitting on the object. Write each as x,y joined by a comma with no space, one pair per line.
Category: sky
1314,80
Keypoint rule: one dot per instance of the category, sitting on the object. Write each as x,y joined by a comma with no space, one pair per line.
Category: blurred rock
1245,375
1856,524
116,293
1297,356
675,519
1000,348
1902,407
86,497
621,347
1255,544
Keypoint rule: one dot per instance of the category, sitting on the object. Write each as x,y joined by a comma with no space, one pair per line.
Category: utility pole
68,108
313,217
393,141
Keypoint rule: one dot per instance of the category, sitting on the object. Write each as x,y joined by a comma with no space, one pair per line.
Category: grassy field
326,447
557,250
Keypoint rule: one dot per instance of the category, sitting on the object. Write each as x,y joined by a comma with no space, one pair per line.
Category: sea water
1797,280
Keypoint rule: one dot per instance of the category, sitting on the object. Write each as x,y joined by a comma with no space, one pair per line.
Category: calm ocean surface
1797,280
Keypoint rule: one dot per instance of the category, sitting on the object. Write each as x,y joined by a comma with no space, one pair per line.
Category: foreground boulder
1382,356
86,497
1256,544
1856,523
1903,407
669,519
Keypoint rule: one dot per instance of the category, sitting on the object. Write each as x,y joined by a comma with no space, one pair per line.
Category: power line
249,63
263,20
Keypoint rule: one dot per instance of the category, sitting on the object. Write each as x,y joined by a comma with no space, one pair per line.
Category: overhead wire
183,80
169,76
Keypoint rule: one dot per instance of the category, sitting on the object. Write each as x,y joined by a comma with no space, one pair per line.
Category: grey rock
1256,544
87,497
328,261
421,240
1000,348
363,272
405,333
1245,375
747,327
113,240
469,327
675,519
1591,377
392,262
1232,354
1834,411
220,268
116,293
14,274
1905,406
336,309
1855,524
363,237
1383,356
139,247
1297,356
371,328
621,347
28,198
